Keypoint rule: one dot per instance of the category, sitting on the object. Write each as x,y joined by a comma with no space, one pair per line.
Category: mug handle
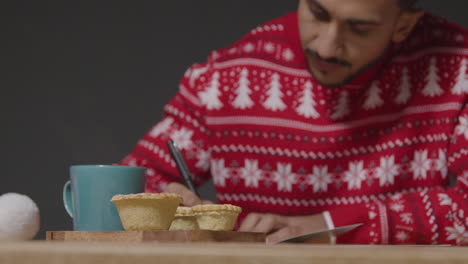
67,199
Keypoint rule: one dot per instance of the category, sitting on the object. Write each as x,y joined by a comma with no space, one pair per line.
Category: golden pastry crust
217,217
138,196
203,208
184,211
147,211
184,219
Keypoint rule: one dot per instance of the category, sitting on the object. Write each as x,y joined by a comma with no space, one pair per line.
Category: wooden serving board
152,236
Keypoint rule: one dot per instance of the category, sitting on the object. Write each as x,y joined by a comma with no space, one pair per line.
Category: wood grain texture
239,253
161,236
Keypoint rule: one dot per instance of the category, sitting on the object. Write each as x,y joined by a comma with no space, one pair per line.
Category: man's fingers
249,222
190,199
175,187
266,224
283,233
262,223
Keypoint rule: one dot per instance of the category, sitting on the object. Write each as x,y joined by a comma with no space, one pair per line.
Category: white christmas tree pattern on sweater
405,88
242,100
341,109
374,99
461,85
210,97
274,101
307,104
432,88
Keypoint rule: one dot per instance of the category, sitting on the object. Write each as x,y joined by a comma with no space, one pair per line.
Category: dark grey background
82,81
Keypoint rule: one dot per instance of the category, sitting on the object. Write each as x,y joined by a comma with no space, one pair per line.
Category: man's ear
405,25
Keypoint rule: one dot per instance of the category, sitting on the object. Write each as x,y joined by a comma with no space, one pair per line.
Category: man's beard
350,78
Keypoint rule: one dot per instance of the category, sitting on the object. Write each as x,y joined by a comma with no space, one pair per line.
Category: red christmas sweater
379,151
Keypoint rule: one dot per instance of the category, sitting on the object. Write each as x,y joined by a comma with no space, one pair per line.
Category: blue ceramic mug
87,195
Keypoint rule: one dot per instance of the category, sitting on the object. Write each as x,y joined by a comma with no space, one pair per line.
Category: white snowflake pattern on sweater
249,47
219,171
320,179
402,236
183,138
420,165
321,176
251,173
203,162
355,175
441,164
444,199
387,171
284,177
458,233
397,206
288,55
161,127
269,47
407,218
462,128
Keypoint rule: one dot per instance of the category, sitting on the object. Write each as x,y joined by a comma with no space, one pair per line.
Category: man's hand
280,227
190,199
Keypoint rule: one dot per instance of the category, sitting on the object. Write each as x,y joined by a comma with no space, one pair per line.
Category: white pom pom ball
19,217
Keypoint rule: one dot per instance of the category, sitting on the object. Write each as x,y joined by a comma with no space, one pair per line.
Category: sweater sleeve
182,122
427,216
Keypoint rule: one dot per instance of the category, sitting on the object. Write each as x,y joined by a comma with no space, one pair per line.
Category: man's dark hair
408,4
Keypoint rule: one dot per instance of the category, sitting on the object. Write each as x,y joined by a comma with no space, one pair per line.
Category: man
345,112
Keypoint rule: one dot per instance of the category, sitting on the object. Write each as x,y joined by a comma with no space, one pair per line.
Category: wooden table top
203,253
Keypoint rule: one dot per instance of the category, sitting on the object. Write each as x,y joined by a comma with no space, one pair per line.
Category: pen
182,166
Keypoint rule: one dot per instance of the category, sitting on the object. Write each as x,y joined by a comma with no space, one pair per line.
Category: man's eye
319,15
360,30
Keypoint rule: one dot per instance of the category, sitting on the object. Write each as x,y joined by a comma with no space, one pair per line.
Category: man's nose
329,44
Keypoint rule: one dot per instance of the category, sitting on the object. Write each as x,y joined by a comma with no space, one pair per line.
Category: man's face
342,38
